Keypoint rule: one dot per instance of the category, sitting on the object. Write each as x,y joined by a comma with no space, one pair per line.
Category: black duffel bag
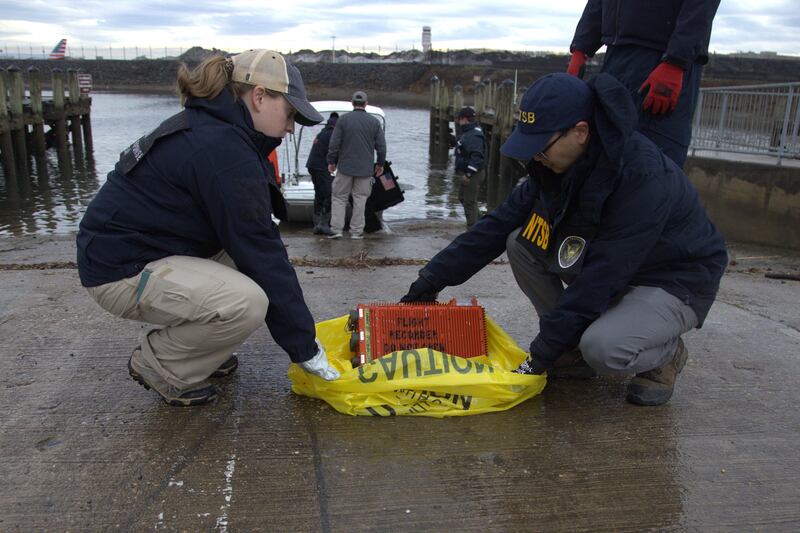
386,192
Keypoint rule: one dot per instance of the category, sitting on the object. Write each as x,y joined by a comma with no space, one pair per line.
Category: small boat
298,190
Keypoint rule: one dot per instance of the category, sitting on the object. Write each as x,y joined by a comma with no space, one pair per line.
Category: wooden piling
75,120
37,111
86,122
439,131
432,137
58,109
16,95
458,98
504,111
480,98
498,175
6,143
443,144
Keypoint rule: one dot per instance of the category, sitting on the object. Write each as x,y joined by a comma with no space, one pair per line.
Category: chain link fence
8,51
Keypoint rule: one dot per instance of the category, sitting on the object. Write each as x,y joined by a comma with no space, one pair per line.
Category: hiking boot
571,365
227,368
655,387
199,394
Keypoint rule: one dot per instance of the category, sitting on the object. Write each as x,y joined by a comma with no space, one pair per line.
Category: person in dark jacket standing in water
317,165
657,50
181,234
470,162
605,212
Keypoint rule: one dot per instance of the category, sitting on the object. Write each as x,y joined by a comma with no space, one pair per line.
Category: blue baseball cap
553,103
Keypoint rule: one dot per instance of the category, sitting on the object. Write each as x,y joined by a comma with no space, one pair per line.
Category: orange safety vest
273,158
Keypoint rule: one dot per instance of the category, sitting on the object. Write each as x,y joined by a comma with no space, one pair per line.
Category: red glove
577,64
663,87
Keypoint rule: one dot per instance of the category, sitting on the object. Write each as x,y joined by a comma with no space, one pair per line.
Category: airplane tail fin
59,51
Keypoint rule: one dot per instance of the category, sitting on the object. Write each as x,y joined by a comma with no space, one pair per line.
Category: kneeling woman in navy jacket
181,234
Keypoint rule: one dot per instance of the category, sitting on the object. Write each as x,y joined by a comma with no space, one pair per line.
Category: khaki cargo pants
207,308
343,186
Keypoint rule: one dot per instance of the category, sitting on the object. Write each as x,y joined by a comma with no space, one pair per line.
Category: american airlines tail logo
59,51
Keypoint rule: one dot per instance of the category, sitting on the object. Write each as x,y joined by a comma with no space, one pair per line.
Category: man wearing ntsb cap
607,213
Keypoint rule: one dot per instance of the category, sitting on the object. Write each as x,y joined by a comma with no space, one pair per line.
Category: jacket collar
233,111
469,126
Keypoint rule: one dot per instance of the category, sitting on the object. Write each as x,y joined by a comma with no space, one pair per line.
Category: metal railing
750,119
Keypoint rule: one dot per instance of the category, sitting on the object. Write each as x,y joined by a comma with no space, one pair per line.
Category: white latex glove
319,365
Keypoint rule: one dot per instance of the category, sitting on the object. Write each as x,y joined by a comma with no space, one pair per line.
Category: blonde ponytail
208,79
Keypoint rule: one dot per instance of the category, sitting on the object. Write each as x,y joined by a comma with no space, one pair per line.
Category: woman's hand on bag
420,291
319,365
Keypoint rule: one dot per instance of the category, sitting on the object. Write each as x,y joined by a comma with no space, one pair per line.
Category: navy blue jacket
680,29
470,149
194,193
318,156
642,219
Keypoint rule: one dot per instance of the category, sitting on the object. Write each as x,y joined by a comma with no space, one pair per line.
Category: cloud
239,24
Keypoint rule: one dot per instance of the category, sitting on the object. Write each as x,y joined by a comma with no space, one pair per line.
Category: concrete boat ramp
84,448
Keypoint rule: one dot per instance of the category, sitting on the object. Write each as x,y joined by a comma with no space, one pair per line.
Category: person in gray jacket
351,154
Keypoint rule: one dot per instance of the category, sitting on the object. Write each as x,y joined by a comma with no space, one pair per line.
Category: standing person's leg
321,179
327,189
208,309
362,187
641,334
468,196
316,180
342,185
672,132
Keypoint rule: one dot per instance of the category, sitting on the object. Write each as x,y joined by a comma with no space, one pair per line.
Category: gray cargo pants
639,332
207,308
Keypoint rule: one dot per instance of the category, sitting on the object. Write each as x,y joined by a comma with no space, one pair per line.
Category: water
53,198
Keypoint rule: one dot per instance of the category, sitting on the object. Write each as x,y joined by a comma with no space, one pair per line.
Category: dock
495,107
24,113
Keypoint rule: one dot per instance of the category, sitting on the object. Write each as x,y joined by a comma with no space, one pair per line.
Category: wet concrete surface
84,448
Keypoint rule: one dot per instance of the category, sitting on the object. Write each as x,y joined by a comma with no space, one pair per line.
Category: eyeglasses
542,154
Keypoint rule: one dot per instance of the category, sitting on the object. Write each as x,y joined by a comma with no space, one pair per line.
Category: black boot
325,223
317,219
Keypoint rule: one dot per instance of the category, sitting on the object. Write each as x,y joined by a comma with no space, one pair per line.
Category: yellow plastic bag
420,382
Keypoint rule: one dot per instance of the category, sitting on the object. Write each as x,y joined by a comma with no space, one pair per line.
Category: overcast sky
740,25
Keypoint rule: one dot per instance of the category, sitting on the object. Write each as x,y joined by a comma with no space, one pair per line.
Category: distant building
426,39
